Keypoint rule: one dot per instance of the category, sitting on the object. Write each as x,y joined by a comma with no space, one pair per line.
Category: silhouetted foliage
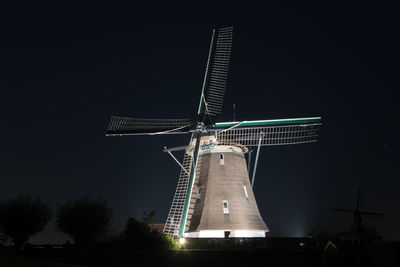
85,220
22,217
139,235
4,239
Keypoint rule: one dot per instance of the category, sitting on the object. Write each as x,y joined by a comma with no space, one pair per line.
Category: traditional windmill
214,197
358,228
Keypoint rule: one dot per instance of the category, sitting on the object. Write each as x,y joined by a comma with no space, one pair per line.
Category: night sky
65,69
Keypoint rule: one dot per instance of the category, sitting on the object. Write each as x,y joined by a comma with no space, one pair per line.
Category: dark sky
65,69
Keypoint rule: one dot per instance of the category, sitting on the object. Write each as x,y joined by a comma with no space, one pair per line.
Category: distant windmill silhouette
358,215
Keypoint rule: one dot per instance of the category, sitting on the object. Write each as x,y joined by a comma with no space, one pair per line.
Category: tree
85,220
139,235
22,217
138,232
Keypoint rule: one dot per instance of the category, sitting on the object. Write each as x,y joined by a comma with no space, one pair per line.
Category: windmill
214,196
357,213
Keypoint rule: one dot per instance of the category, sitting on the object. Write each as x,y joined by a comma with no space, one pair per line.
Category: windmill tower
214,196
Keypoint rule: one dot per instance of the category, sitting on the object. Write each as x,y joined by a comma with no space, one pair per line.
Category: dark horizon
67,69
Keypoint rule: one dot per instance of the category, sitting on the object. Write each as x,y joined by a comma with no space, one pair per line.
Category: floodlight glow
181,240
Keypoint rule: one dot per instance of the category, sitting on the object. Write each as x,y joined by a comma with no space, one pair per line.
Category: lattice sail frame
138,126
174,220
284,132
214,84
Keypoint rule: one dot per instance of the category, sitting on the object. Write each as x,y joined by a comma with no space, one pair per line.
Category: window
221,159
198,193
225,206
245,191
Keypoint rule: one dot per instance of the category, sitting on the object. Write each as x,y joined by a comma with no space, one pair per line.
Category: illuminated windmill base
222,203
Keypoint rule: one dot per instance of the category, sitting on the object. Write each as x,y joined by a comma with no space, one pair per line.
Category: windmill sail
372,213
271,132
136,126
174,220
212,94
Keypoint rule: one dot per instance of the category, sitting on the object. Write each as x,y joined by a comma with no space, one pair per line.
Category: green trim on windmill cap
268,122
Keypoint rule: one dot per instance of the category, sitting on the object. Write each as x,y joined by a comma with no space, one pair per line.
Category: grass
11,260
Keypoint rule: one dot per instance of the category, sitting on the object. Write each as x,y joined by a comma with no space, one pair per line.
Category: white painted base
247,233
221,234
